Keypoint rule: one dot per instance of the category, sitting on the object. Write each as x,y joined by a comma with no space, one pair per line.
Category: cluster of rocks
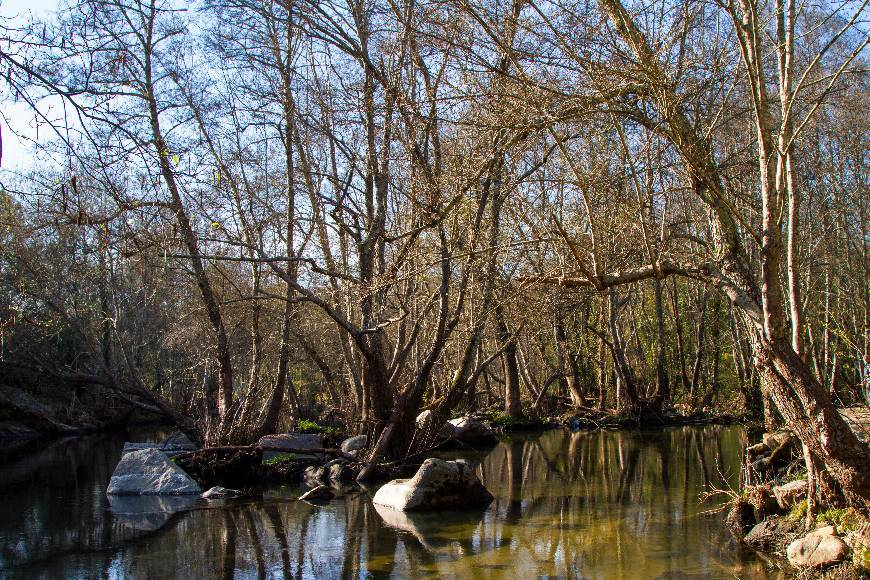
775,454
761,518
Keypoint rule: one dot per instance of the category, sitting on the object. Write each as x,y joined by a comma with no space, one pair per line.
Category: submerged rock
140,514
791,493
218,492
818,549
318,494
149,472
437,484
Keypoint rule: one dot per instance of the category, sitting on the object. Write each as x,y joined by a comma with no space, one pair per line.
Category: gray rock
817,549
424,423
771,533
178,440
319,493
314,475
437,484
219,492
791,493
149,472
292,442
353,445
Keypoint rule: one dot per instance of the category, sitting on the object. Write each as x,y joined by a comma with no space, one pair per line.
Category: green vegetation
845,519
798,512
308,426
281,458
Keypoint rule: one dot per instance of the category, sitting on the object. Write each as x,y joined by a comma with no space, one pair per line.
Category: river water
604,504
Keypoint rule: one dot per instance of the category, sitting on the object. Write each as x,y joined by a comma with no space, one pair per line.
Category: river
600,504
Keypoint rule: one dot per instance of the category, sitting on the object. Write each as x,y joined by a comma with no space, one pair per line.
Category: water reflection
591,505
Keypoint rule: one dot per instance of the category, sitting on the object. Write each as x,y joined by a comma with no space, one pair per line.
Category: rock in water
219,492
438,484
791,493
319,493
817,549
149,472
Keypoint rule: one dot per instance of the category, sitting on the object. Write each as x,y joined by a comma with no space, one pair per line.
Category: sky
17,154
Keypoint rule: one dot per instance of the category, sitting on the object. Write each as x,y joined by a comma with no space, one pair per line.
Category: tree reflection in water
612,504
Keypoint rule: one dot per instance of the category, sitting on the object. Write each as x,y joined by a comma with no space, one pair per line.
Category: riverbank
770,515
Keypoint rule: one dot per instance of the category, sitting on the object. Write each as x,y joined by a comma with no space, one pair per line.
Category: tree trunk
512,404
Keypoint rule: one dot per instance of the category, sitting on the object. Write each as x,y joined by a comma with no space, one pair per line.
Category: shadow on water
611,504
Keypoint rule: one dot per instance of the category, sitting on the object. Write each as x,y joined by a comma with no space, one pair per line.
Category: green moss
280,458
846,519
796,476
306,426
798,512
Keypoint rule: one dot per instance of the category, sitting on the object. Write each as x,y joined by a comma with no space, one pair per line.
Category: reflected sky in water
609,504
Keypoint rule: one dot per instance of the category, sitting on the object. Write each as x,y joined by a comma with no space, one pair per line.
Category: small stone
791,493
219,492
318,494
817,549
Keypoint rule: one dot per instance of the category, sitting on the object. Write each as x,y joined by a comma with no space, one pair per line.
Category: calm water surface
608,504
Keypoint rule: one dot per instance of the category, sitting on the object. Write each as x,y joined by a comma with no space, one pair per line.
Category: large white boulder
438,484
817,549
149,472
